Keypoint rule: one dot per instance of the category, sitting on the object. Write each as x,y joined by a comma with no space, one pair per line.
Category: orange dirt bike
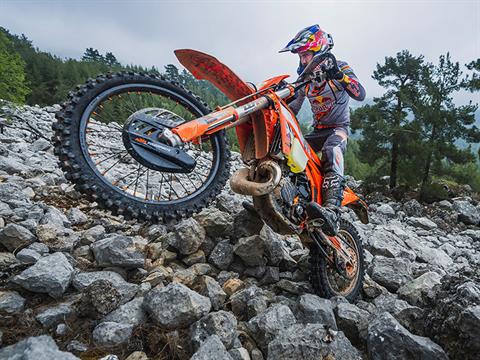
146,147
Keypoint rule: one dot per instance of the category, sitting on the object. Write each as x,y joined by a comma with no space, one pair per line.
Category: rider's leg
334,182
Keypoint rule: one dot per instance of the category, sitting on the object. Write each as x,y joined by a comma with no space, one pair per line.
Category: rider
331,117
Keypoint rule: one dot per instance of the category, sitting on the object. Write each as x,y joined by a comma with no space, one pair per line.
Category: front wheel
95,151
327,277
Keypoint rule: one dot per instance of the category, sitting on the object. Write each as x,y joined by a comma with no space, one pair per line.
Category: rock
55,217
387,339
14,236
222,255
385,243
239,300
467,213
386,210
473,234
111,333
220,323
102,296
239,354
40,248
450,314
422,222
434,256
187,236
250,250
231,286
57,239
246,224
77,216
293,287
51,274
54,315
353,321
195,258
91,235
409,316
6,260
76,346
11,302
413,208
314,310
256,306
414,291
126,290
271,275
266,326
209,287
275,249
35,348
131,313
176,306
62,329
216,223
391,273
311,342
137,355
212,349
28,256
118,250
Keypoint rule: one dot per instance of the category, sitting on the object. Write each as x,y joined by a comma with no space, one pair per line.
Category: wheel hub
142,137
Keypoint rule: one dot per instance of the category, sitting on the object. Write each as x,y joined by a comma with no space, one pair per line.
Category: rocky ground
77,282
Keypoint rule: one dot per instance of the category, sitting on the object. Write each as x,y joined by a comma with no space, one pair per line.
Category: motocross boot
332,193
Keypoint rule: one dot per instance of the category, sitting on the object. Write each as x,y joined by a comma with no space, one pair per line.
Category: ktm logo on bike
141,140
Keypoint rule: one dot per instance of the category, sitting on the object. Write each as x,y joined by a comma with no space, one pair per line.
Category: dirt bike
145,147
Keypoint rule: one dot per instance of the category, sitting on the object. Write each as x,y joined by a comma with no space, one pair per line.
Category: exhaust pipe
268,170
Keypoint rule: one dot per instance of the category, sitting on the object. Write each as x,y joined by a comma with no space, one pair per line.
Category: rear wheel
332,278
96,154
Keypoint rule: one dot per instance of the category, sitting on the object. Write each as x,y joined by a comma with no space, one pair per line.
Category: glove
330,67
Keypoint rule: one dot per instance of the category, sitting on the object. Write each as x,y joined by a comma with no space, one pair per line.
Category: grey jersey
329,100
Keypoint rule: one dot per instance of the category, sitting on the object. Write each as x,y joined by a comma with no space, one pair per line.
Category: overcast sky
246,35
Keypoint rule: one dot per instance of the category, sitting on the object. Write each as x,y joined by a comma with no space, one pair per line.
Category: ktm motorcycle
146,147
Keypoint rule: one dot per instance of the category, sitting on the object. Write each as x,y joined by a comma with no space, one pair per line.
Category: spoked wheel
331,275
107,137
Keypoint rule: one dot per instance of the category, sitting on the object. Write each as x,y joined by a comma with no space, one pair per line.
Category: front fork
336,243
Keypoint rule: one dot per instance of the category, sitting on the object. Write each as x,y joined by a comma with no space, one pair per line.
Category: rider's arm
297,102
350,83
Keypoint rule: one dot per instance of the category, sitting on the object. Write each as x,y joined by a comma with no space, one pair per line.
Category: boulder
222,255
212,349
267,325
387,339
467,213
391,272
314,310
414,291
216,223
14,236
186,237
51,274
311,342
220,323
111,333
35,348
11,302
176,306
118,250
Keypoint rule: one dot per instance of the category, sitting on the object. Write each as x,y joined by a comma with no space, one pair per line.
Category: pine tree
384,125
111,60
92,55
440,120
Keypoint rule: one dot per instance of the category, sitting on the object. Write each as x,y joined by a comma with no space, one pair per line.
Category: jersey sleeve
297,102
350,82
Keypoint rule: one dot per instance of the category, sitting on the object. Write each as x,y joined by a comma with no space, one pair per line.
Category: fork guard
241,184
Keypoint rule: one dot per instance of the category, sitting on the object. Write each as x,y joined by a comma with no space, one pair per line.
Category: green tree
92,55
442,122
110,59
384,125
12,75
473,83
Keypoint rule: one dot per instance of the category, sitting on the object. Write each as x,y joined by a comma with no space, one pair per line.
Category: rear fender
358,205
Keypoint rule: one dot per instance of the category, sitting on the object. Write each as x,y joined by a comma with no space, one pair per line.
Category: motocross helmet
311,38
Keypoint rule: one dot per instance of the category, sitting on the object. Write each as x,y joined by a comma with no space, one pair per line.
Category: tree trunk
426,170
394,152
